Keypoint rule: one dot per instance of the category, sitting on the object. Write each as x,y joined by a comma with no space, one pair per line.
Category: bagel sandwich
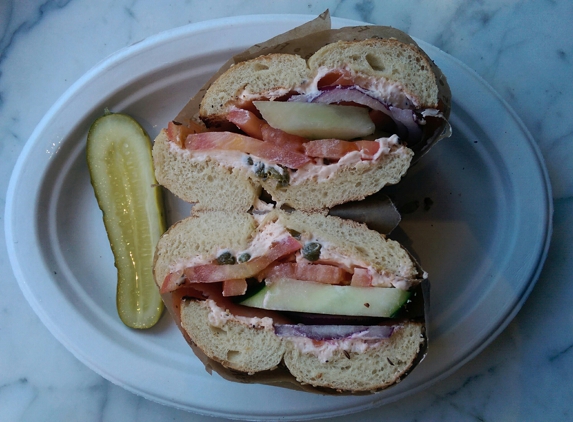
296,299
322,120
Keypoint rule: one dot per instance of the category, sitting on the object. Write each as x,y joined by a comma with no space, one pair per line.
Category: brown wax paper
377,212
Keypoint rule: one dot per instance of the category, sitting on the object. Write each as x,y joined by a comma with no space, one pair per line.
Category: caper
226,258
259,169
294,233
284,179
281,175
283,183
274,173
244,257
311,251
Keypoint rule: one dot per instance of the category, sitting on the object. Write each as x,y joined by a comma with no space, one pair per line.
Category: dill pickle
122,175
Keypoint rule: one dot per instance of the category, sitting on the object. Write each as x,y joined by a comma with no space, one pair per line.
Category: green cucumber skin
311,297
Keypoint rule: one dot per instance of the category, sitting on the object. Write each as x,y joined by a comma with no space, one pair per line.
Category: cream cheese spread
272,232
325,349
218,317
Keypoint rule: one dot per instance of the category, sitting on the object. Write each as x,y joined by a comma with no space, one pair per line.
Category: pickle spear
121,171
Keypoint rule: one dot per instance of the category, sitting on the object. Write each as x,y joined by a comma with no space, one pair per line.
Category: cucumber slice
122,175
316,120
318,298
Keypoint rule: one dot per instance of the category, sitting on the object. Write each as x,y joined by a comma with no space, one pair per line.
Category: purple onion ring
335,332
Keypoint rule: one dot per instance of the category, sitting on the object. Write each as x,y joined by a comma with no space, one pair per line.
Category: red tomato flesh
247,121
336,78
320,273
368,148
335,149
228,141
361,278
282,138
235,287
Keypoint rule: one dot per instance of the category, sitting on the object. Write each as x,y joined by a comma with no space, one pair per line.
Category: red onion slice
335,95
407,118
303,98
350,94
334,332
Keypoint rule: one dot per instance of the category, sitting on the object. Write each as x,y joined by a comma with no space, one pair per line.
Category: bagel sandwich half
313,129
313,301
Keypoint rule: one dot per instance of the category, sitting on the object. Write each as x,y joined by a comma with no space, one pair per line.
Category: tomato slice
361,278
329,148
235,287
211,273
247,121
177,133
228,141
320,273
280,137
368,148
335,149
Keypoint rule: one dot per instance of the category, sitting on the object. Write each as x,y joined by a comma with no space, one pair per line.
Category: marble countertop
523,49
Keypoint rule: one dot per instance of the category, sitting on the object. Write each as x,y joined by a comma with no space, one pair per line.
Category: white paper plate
483,239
